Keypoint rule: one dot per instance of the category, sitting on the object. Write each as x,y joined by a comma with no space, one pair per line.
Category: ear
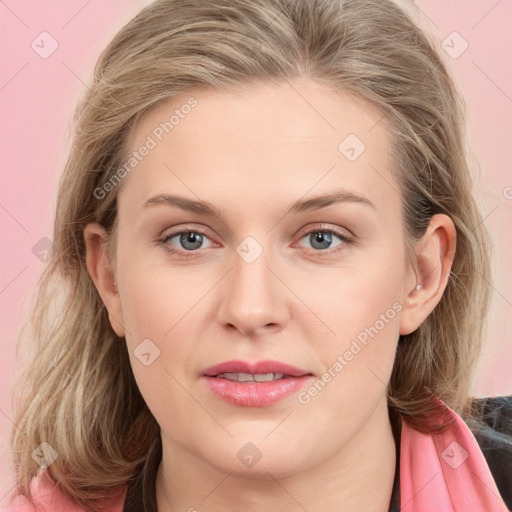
102,273
430,271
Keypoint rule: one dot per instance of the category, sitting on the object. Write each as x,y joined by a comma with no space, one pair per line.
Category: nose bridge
253,297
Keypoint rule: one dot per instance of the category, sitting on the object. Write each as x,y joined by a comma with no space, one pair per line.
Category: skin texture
251,154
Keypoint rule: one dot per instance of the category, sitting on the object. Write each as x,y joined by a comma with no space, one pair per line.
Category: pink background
37,97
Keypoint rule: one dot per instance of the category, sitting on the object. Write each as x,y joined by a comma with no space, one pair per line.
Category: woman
272,275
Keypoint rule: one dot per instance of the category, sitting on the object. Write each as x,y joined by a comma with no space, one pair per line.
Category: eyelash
187,254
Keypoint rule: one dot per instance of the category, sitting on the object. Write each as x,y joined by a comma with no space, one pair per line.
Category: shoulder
47,496
494,436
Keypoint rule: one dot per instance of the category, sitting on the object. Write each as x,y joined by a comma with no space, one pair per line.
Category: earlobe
433,259
102,274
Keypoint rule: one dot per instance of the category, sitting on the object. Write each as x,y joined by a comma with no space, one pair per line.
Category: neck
360,476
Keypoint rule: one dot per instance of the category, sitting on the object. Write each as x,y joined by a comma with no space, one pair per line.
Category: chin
261,459
264,469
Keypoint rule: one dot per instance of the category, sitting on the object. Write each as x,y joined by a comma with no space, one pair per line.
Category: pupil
321,238
192,238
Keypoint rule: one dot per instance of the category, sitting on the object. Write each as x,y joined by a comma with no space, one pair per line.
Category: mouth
258,369
258,384
249,377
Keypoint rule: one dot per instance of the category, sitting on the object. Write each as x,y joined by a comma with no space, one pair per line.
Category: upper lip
259,367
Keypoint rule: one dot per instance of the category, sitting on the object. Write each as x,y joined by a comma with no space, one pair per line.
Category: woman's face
303,263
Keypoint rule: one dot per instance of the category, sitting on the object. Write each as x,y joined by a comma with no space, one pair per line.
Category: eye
321,239
186,240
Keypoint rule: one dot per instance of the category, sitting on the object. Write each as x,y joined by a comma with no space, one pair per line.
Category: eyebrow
302,205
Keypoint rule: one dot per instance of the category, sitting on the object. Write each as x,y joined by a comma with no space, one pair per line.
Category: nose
254,299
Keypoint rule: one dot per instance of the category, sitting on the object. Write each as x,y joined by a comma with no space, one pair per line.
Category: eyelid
342,232
176,230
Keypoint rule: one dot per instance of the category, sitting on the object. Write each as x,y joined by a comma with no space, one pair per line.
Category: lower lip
255,394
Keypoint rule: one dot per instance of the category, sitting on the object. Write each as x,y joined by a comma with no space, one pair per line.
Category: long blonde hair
79,394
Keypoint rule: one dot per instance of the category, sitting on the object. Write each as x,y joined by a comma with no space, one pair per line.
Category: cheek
351,298
157,295
161,309
357,360
360,310
160,349
163,322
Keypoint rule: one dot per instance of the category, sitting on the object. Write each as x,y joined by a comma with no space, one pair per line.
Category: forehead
292,136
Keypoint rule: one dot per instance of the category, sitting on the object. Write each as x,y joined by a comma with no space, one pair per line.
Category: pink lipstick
259,384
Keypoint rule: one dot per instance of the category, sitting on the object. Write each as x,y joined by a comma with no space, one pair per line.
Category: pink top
442,472
49,498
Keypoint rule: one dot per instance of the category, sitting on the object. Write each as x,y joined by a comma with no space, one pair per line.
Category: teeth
266,377
248,377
